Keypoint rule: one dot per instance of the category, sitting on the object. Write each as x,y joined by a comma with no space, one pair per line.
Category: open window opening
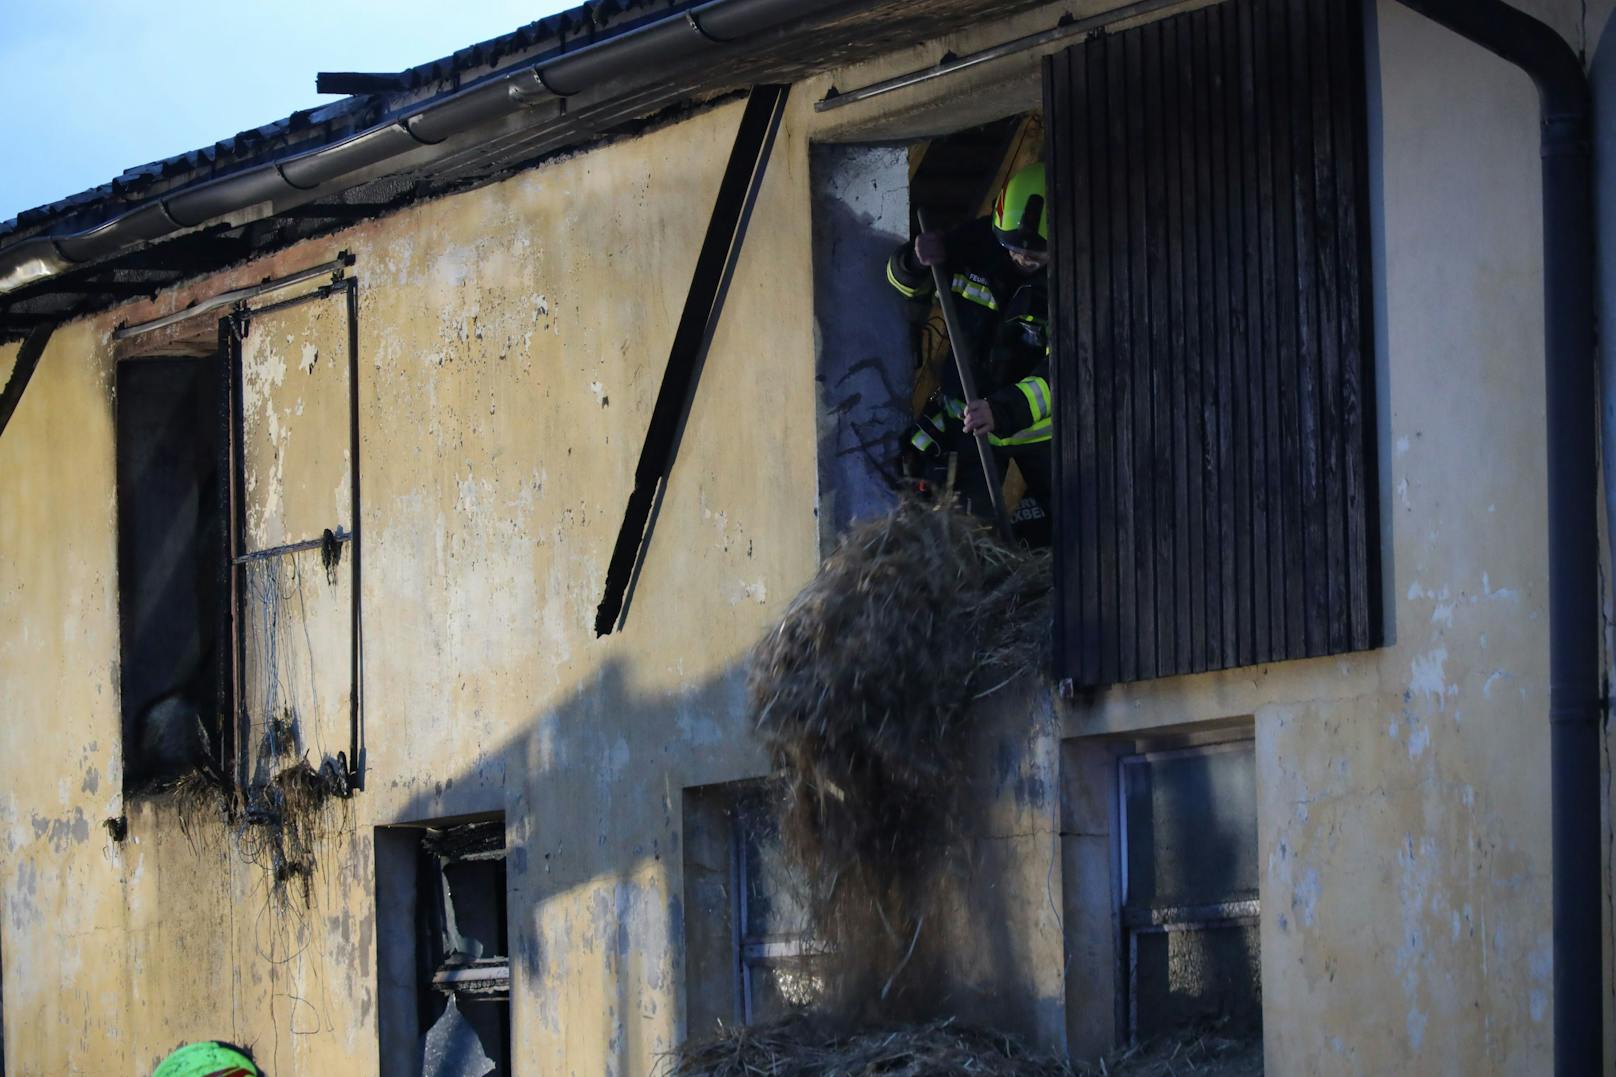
172,564
1162,899
443,948
893,406
1190,905
750,954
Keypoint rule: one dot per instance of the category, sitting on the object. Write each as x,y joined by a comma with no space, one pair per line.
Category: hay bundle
800,1048
804,1047
857,694
1204,1053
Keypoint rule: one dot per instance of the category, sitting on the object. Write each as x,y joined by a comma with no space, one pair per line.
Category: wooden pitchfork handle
960,345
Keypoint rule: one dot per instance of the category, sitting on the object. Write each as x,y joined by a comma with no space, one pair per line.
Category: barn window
1212,369
749,954
171,565
883,360
1190,890
443,947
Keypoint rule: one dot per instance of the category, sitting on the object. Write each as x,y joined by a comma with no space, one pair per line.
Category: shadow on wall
591,791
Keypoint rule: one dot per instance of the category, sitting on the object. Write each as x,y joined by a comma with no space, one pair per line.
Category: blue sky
89,88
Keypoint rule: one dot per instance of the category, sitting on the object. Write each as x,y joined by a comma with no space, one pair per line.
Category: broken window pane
454,1048
1193,976
449,1012
475,895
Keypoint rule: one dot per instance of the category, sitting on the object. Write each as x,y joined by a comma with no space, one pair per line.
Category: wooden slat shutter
1214,443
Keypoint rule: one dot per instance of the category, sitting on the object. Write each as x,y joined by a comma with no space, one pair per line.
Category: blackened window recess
959,172
171,557
1190,906
463,982
1212,359
467,942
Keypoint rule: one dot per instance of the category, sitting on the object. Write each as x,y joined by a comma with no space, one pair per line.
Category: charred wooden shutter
1214,450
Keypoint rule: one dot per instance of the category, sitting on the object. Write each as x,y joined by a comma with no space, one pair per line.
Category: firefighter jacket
1005,313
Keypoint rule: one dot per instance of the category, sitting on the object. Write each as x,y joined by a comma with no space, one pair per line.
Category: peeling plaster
1426,677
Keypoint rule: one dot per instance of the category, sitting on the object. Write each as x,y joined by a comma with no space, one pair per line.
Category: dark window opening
882,357
956,180
957,177
444,948
1190,903
171,564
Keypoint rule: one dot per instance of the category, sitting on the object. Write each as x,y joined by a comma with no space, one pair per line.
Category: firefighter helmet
1019,217
208,1059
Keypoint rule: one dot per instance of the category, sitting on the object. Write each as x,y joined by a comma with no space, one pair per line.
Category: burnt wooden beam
119,288
358,82
190,255
715,264
27,359
336,211
31,319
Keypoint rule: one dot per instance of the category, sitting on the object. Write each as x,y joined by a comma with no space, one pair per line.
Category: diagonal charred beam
27,359
726,230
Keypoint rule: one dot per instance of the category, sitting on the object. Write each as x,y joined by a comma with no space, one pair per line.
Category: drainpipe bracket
701,31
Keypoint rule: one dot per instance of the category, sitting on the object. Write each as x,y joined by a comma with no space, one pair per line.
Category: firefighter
998,276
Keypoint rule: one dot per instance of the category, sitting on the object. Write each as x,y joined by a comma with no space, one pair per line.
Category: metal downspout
1574,692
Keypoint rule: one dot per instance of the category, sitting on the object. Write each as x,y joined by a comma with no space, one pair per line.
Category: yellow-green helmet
208,1059
1019,217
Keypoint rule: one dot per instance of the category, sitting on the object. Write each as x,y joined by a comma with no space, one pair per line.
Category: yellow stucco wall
511,346
511,342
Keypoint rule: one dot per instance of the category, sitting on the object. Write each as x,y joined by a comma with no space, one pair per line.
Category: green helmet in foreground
1019,217
208,1059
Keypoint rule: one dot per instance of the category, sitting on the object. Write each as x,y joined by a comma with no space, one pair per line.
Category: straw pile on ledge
802,1048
